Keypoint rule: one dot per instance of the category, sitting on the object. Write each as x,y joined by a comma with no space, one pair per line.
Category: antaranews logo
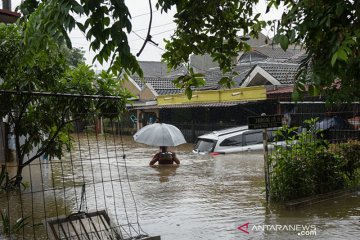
244,228
301,230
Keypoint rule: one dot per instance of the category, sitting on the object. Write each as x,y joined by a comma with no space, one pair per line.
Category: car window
232,141
204,145
253,138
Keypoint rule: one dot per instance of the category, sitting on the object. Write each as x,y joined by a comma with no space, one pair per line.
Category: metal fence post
266,162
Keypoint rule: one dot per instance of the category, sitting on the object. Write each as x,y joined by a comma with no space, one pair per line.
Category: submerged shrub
327,172
350,154
305,166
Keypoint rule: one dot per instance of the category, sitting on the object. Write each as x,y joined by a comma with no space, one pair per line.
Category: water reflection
205,197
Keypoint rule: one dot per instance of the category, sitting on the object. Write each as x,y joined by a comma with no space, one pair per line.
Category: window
253,138
232,141
204,145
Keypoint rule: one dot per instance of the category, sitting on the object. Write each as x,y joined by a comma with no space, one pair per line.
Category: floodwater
206,197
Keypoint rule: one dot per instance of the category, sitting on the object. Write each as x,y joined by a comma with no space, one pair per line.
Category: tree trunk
18,177
19,158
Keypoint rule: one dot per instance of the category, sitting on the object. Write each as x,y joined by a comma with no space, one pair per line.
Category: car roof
217,133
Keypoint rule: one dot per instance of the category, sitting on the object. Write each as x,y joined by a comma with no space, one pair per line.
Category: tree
329,31
209,26
44,122
74,56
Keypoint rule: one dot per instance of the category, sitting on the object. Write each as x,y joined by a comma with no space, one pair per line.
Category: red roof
7,16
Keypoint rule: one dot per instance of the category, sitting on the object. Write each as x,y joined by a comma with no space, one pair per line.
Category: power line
143,14
132,17
163,32
152,44
138,30
138,35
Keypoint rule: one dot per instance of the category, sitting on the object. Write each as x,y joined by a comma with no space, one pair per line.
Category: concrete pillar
99,126
138,115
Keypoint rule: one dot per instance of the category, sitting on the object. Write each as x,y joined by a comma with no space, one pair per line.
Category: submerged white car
231,140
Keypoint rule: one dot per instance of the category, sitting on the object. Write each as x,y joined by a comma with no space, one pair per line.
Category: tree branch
42,150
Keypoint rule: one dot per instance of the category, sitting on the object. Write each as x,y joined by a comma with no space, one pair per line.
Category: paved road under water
206,197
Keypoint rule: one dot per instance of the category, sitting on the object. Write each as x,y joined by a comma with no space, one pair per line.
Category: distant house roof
162,85
275,52
284,72
262,40
159,69
7,16
265,72
165,85
255,73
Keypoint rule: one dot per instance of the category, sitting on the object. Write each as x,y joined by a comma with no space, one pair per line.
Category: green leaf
314,90
188,93
339,9
342,54
284,42
295,96
224,80
333,59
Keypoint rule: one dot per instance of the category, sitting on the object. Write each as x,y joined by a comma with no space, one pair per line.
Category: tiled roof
252,56
158,69
277,52
256,42
161,85
283,72
213,76
297,58
165,85
243,70
168,91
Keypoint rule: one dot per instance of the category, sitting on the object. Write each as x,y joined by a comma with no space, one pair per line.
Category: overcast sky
162,27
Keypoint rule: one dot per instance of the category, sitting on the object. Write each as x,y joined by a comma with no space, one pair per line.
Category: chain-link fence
64,177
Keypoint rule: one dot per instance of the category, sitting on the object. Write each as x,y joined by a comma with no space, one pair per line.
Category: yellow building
215,96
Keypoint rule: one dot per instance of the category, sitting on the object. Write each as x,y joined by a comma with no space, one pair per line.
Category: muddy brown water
206,197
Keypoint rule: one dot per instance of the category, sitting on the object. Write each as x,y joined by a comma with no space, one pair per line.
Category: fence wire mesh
91,177
317,154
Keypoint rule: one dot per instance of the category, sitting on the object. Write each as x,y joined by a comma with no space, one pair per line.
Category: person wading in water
164,157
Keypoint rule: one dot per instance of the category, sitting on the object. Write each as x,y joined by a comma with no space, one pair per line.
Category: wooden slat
86,226
92,226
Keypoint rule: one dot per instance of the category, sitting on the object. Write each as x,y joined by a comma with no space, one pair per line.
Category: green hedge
308,165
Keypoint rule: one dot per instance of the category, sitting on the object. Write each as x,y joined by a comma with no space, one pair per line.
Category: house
265,66
6,14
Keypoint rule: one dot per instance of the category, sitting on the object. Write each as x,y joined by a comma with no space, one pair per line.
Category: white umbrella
160,134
